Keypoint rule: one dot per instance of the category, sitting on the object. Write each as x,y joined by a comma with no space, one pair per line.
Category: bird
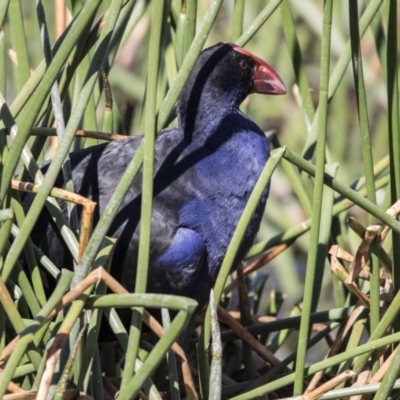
205,169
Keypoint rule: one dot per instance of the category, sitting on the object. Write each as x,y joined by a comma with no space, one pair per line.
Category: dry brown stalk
332,383
242,332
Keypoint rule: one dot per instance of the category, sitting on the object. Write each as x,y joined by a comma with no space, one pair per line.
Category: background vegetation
319,292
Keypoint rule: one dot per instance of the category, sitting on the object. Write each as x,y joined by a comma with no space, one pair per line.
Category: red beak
265,79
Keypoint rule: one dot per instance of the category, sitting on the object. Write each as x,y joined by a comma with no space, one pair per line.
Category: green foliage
118,67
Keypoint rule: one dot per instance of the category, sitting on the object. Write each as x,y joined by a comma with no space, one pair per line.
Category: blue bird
205,171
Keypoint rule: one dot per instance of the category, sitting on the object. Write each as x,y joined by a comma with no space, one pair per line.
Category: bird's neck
201,117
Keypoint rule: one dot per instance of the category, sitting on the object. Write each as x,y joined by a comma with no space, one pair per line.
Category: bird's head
222,77
263,77
234,72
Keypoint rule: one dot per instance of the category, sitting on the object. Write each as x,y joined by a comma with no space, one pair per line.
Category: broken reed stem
87,205
247,337
258,263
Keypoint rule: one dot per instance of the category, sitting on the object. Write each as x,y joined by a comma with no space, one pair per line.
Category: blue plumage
205,171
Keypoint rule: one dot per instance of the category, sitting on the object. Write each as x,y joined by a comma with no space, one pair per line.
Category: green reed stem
188,62
258,22
344,190
317,201
237,23
390,377
339,71
157,23
367,153
393,131
16,25
297,61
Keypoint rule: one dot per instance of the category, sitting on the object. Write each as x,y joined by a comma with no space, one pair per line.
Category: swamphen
205,171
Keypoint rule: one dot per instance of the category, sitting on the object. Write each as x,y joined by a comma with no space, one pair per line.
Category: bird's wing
182,261
96,174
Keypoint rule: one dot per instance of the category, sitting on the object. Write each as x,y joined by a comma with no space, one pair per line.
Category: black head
233,72
222,77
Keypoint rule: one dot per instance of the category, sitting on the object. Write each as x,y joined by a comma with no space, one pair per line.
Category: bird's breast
223,183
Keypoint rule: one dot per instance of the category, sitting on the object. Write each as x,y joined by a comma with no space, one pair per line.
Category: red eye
244,64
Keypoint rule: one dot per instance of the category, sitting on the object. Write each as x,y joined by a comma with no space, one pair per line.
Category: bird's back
96,173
